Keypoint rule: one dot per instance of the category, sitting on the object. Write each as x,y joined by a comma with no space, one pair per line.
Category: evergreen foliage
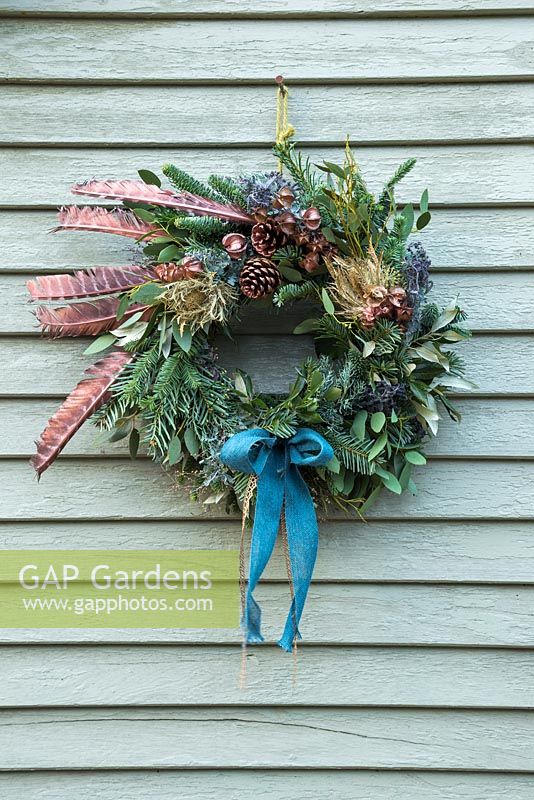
228,190
184,182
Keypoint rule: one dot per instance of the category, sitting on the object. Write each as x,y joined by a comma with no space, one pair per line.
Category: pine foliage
228,190
300,168
202,227
353,454
184,182
294,291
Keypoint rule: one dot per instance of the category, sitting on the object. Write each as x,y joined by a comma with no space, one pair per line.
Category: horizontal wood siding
414,681
256,8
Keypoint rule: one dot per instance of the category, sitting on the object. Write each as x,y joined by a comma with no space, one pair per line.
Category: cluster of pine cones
274,228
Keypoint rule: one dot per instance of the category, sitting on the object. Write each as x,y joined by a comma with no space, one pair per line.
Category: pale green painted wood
353,614
116,489
477,293
257,9
498,364
408,551
488,430
476,174
266,785
408,577
243,115
103,50
190,676
456,239
290,738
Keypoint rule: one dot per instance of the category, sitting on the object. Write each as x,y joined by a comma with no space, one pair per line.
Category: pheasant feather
132,191
88,283
82,319
94,218
82,402
139,192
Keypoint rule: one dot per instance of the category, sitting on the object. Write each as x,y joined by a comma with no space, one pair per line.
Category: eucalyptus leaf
408,216
185,339
327,302
240,385
306,326
334,393
414,457
334,464
167,342
378,420
290,274
423,220
423,203
456,382
160,240
132,334
121,431
378,446
128,323
428,353
170,253
368,349
445,318
454,336
358,426
148,293
124,302
316,380
146,216
192,441
348,483
102,343
329,235
175,450
371,500
405,475
328,166
149,177
338,480
133,443
389,480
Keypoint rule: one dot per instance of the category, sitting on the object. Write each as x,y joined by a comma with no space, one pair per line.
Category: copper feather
88,283
83,401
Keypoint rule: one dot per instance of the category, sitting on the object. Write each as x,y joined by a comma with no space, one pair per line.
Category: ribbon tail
269,501
302,540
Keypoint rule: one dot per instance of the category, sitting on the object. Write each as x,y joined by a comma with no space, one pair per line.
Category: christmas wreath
357,415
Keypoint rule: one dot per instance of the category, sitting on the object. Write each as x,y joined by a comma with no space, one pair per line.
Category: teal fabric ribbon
281,490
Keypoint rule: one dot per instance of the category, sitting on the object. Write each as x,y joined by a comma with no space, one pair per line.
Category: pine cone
267,237
259,277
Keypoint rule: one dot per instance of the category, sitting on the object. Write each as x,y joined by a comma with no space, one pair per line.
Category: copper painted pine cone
259,278
267,237
170,272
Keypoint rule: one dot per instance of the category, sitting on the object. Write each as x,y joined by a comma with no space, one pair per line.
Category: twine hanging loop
284,130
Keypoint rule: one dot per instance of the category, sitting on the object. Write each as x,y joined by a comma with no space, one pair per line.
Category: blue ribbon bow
281,489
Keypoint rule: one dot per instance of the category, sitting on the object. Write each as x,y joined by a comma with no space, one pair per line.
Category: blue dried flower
418,284
261,189
383,397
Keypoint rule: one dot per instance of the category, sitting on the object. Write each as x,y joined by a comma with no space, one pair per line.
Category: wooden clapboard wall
416,678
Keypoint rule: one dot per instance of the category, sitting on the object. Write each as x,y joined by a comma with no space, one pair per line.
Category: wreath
357,415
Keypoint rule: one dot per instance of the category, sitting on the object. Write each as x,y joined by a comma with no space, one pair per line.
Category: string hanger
284,130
